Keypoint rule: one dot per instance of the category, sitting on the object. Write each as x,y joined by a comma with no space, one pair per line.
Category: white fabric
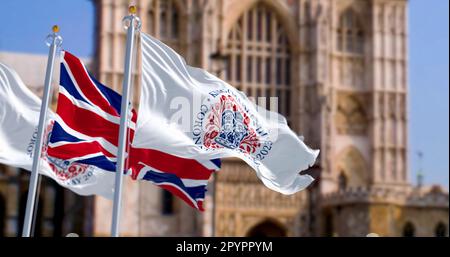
168,83
19,118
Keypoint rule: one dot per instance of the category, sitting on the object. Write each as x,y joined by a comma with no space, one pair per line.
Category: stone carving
351,117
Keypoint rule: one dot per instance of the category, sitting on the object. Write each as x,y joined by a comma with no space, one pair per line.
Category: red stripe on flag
70,151
133,116
181,167
86,122
93,122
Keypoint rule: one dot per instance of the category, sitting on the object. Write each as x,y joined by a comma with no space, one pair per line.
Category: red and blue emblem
226,122
229,126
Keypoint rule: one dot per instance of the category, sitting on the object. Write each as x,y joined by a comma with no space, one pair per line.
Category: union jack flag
87,118
86,131
185,178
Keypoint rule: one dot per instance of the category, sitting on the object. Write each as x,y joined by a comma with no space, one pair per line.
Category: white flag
219,121
19,118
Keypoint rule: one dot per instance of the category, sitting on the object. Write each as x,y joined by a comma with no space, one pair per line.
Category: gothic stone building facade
339,70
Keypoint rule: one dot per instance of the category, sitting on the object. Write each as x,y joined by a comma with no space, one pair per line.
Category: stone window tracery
350,42
260,62
164,22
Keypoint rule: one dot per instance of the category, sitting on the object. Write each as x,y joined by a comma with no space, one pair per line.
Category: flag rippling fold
86,131
222,123
19,116
183,177
87,118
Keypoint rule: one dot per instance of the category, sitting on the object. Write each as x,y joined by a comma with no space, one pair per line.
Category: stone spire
420,176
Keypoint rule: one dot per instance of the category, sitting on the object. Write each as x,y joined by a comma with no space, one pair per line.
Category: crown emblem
233,129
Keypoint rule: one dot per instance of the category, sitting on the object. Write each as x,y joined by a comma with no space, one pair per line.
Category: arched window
259,58
267,228
350,48
342,180
329,224
164,21
351,162
440,230
167,202
350,33
409,230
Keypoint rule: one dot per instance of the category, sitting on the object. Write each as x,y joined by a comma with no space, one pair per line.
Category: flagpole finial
128,20
132,9
54,38
55,29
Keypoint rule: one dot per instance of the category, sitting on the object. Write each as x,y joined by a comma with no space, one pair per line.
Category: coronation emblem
63,169
229,126
226,121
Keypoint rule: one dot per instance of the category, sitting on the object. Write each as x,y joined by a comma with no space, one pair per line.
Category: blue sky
429,88
25,24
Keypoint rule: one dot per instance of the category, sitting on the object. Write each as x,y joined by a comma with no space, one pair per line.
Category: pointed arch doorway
267,228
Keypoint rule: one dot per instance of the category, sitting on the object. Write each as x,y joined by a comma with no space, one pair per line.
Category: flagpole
133,24
53,41
213,230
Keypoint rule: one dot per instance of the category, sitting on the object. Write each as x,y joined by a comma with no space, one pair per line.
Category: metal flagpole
213,230
35,210
133,24
53,41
